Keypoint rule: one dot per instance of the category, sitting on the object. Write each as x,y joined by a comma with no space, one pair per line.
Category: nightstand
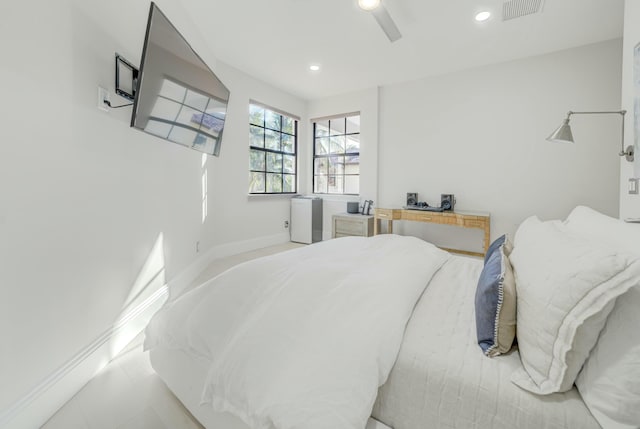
346,224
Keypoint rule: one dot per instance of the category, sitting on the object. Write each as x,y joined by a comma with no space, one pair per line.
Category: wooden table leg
487,237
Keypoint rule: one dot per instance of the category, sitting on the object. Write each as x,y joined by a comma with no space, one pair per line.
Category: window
273,141
336,155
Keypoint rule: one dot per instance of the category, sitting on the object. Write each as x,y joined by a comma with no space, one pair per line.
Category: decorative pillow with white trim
567,286
496,301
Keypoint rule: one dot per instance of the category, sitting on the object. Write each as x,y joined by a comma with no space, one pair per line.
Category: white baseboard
39,404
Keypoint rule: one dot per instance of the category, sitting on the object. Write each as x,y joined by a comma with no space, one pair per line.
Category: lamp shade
562,134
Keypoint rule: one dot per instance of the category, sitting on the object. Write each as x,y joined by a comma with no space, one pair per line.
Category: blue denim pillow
496,301
501,241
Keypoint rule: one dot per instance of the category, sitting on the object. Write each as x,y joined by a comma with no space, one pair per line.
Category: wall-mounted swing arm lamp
564,134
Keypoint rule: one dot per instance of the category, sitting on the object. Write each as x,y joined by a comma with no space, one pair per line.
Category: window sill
269,196
331,197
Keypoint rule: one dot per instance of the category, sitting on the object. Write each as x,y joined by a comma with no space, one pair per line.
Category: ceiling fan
382,16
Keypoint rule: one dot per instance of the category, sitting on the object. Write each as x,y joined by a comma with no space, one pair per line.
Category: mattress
441,379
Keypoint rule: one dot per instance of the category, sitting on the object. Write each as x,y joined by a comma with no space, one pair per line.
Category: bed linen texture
302,339
442,380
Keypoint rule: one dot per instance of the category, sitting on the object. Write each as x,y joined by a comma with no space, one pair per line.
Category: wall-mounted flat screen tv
178,97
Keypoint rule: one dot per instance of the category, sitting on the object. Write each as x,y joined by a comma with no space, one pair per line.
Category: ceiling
276,40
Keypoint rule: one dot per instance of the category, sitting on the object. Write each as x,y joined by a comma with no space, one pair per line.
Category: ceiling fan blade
386,22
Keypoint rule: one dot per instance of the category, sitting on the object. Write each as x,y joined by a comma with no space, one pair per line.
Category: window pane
272,140
336,165
353,144
353,124
272,120
351,184
288,125
289,163
274,162
257,160
321,166
256,115
337,144
288,143
335,184
289,183
274,182
337,126
256,136
256,182
322,129
322,146
320,184
352,165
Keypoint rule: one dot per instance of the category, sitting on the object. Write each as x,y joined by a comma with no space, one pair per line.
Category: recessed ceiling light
483,16
314,67
368,4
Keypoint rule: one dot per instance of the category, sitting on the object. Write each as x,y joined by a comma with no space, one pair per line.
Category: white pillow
590,223
610,379
566,287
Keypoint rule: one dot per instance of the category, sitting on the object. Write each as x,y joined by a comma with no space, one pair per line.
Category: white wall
480,134
84,198
629,204
233,214
365,102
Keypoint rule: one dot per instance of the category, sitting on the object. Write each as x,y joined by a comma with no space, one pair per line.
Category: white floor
127,393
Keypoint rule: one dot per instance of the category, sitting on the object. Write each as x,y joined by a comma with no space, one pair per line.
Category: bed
423,366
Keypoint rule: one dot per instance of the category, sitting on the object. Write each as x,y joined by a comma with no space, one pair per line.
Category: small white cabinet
346,224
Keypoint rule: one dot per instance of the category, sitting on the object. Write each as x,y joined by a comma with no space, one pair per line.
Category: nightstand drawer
384,213
349,226
354,225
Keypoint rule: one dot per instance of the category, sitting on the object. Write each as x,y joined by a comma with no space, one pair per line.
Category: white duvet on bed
302,339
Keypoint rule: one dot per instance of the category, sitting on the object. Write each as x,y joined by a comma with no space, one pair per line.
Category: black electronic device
126,78
178,97
412,198
447,201
424,207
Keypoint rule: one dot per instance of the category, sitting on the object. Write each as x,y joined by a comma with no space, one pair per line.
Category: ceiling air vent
516,8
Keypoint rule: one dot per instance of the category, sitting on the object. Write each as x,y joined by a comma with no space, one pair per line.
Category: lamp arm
604,112
628,152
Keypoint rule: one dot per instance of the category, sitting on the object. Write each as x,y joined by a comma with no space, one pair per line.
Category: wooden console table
462,219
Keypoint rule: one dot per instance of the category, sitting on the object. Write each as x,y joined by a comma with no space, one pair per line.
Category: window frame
329,155
265,151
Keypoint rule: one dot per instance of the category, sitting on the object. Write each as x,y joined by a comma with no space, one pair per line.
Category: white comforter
302,339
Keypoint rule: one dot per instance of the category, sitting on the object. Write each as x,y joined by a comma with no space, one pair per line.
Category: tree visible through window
272,159
336,156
